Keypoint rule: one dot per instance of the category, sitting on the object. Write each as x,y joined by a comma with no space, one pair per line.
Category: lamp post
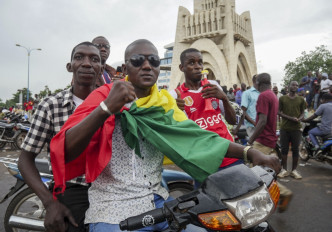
29,50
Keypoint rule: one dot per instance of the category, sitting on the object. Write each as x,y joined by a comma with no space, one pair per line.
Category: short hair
100,37
264,78
86,43
185,52
327,96
291,83
254,77
139,41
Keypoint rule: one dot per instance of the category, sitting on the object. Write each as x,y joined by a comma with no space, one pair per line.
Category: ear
181,67
68,66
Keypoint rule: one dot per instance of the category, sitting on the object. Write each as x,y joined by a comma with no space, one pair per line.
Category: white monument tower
224,38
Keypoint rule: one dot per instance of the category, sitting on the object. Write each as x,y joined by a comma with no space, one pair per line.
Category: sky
282,30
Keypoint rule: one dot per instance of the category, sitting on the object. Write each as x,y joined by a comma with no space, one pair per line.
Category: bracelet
245,153
105,108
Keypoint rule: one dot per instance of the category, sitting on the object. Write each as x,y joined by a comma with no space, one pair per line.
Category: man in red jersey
192,95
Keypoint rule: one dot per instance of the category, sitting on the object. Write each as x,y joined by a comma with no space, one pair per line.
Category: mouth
147,77
87,74
103,54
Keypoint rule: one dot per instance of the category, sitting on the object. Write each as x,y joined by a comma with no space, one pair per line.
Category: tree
16,96
45,92
317,60
2,104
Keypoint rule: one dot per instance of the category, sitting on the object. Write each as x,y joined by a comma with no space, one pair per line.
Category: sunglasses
99,46
138,60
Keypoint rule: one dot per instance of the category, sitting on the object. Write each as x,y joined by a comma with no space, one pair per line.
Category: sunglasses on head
138,60
106,46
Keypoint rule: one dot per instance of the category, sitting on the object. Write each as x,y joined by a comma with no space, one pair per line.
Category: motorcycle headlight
252,208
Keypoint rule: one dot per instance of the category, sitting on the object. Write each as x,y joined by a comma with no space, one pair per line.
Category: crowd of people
106,144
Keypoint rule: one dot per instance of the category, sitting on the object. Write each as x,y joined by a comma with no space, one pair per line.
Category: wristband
245,153
105,108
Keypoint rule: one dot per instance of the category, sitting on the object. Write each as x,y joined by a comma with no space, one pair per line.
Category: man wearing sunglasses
120,160
109,73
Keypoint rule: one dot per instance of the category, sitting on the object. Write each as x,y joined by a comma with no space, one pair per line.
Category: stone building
224,38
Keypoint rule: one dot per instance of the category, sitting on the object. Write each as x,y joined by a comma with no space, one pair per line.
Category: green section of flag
198,152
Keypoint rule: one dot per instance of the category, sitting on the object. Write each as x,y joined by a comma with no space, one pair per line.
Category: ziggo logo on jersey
209,121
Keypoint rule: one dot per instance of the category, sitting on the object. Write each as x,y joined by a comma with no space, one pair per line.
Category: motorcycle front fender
19,184
262,227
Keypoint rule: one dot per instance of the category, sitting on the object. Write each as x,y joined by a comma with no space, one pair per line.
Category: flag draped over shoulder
157,119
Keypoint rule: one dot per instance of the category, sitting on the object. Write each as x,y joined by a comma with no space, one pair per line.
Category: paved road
309,211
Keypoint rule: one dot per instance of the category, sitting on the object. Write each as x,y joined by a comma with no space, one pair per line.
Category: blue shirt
238,97
307,86
249,99
325,110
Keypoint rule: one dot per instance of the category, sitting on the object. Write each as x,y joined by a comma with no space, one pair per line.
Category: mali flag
157,119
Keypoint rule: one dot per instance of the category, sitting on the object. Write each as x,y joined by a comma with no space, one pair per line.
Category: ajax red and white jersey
207,120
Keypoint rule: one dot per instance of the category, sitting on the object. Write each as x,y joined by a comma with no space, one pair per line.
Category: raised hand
121,93
179,101
210,90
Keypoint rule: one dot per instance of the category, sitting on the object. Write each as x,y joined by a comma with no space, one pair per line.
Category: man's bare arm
55,211
79,136
262,120
256,157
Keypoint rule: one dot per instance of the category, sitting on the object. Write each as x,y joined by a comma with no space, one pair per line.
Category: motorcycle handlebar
144,220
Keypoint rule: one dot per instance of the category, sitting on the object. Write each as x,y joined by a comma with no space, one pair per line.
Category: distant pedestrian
276,91
291,111
306,83
230,95
264,137
239,93
235,89
316,89
248,106
325,84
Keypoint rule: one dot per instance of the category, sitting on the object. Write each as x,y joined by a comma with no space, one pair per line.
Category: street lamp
29,50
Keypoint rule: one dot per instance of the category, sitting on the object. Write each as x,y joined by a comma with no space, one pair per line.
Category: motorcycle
220,204
13,133
177,183
26,211
307,151
15,118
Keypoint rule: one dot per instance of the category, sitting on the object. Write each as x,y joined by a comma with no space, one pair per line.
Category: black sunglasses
106,46
138,60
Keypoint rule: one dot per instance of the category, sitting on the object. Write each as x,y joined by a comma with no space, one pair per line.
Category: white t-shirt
77,101
325,84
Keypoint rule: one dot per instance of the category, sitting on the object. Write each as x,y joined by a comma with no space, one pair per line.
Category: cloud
57,26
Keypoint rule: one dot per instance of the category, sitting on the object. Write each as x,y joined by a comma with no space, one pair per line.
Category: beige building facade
224,38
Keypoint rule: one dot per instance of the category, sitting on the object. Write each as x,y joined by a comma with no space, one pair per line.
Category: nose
86,62
146,65
198,66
